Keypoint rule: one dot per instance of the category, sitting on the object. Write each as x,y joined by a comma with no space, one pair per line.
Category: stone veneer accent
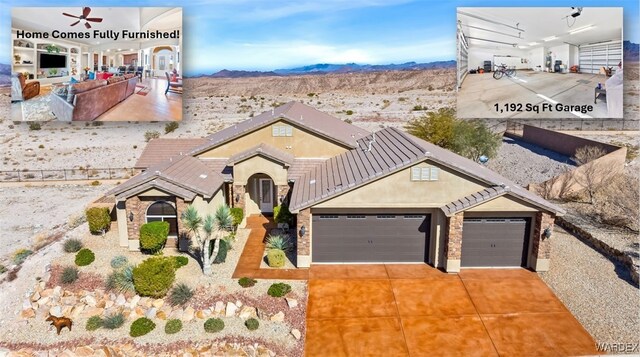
453,240
303,218
282,191
541,246
239,192
138,205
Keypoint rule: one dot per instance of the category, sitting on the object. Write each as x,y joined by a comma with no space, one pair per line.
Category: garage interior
560,55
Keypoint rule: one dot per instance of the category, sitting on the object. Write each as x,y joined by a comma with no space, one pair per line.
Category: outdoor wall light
303,231
281,198
131,216
237,197
547,232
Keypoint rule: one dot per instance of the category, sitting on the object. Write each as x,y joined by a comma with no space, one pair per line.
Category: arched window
164,211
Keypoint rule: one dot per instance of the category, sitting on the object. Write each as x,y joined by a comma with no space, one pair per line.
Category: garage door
494,242
594,57
375,238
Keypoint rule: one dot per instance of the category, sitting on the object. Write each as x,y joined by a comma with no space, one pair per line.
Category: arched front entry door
166,212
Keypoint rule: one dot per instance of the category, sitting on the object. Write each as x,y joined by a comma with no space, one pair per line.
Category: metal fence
67,174
603,125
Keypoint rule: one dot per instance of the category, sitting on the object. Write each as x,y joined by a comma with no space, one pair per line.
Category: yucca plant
180,295
280,242
113,322
72,245
69,275
121,280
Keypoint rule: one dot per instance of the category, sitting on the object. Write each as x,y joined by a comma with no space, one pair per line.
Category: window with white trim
281,130
425,173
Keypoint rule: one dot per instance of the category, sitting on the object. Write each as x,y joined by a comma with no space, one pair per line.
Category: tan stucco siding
302,144
154,192
258,164
504,204
397,190
208,206
123,234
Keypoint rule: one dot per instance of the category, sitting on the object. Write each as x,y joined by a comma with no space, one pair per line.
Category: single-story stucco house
358,197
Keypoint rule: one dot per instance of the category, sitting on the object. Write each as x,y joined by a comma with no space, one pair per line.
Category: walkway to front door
416,310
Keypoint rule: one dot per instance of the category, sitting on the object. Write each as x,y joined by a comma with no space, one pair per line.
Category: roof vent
157,172
312,182
273,111
301,118
371,142
203,176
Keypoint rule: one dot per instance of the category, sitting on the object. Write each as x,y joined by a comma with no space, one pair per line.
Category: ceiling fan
83,18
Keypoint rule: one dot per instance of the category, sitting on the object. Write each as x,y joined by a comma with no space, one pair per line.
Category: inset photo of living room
540,62
96,64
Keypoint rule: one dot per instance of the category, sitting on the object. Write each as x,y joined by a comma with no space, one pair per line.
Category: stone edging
600,246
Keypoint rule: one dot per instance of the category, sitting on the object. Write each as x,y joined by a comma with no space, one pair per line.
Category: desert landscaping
42,216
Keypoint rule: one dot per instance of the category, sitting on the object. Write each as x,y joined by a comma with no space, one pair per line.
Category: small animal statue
60,322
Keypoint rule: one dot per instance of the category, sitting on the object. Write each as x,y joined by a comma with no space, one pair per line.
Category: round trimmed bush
180,294
276,258
213,325
99,219
279,289
84,257
119,261
181,261
113,322
69,275
141,327
72,245
247,282
173,326
237,214
153,236
154,276
94,323
252,324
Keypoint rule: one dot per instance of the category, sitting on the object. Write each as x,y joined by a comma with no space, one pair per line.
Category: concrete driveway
416,310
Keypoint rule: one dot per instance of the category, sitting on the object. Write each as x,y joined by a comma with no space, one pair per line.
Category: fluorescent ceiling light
549,38
581,30
533,43
523,46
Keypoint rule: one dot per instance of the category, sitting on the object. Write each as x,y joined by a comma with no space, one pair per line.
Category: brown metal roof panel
159,150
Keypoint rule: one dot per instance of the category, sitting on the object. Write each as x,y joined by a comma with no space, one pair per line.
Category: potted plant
53,72
51,48
17,59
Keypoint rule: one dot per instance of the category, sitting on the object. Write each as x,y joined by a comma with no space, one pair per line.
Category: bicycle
503,70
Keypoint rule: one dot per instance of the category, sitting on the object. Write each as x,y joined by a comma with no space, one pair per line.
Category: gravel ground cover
596,290
525,163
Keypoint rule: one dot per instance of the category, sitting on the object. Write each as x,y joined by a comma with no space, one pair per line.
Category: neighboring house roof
220,166
264,150
159,150
296,113
391,150
184,176
473,200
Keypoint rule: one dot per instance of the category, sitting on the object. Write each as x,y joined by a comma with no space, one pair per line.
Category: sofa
20,89
88,100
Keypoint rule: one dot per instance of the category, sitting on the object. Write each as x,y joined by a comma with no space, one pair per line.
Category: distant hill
326,68
630,51
5,74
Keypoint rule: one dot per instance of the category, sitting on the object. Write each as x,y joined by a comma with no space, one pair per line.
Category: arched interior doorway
166,212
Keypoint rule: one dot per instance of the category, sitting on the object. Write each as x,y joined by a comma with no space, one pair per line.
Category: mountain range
630,51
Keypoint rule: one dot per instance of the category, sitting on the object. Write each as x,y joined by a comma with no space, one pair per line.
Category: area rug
144,91
37,108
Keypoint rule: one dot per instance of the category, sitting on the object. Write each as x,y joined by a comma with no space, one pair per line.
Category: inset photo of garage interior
539,62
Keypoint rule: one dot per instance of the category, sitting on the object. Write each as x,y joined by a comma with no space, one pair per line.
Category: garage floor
416,310
480,92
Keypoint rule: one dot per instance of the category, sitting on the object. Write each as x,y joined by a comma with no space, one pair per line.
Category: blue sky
265,35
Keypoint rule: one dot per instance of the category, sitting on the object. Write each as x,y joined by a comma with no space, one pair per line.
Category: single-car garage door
495,242
375,238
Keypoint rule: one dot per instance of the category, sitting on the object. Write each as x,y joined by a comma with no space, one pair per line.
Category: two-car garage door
495,242
372,238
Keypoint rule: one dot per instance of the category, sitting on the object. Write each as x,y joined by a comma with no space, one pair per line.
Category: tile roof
391,150
296,113
264,150
178,174
473,199
159,150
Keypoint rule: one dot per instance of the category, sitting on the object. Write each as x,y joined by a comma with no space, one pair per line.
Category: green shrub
72,245
69,275
281,214
153,236
180,294
84,257
3,269
237,214
279,289
252,324
141,327
95,183
94,323
171,126
151,134
119,261
181,261
276,258
113,322
279,241
173,326
21,255
349,112
99,219
247,282
222,251
34,126
213,325
154,276
121,281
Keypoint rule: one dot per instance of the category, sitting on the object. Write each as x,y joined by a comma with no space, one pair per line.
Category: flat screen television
48,60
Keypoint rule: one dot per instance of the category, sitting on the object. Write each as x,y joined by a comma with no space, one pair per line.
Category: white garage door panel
594,57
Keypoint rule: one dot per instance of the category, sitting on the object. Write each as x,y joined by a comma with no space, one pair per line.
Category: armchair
21,90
